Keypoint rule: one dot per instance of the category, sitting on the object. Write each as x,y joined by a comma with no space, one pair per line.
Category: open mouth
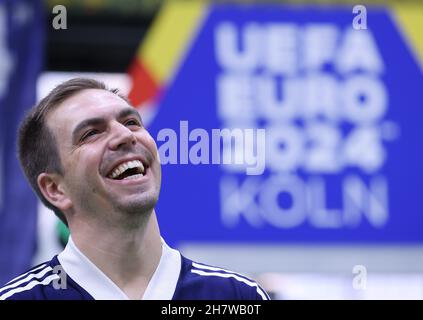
128,170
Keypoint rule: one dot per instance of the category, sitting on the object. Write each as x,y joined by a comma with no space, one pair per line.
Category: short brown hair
37,146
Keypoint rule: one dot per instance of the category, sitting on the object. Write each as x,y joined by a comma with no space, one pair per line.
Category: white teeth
125,166
135,176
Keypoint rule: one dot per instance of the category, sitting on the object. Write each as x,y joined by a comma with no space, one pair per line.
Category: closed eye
88,134
133,122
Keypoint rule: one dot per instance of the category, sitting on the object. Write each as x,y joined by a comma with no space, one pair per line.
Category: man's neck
128,257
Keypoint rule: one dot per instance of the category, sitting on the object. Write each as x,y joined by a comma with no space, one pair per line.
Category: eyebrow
92,122
129,112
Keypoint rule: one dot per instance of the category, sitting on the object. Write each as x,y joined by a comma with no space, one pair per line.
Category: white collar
161,286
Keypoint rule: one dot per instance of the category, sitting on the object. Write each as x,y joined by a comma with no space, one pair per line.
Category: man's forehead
89,102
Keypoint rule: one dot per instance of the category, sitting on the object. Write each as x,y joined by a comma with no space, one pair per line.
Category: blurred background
333,209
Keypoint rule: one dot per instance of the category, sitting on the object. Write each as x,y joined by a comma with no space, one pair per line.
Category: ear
51,186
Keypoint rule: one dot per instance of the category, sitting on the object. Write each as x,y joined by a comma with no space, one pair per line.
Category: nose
121,136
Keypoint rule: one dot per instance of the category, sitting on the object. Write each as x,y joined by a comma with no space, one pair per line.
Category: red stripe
144,87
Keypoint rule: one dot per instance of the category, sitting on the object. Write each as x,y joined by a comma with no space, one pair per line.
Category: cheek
83,164
151,145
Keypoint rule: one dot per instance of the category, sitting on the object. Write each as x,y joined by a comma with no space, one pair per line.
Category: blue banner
21,48
287,125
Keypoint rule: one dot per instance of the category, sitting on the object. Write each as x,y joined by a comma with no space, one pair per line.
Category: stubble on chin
137,206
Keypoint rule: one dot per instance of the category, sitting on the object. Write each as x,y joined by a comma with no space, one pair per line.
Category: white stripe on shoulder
29,286
27,278
231,275
30,271
204,267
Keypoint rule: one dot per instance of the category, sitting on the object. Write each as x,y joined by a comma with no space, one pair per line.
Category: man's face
110,161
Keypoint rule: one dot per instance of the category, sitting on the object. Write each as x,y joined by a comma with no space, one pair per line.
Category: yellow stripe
410,20
167,39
